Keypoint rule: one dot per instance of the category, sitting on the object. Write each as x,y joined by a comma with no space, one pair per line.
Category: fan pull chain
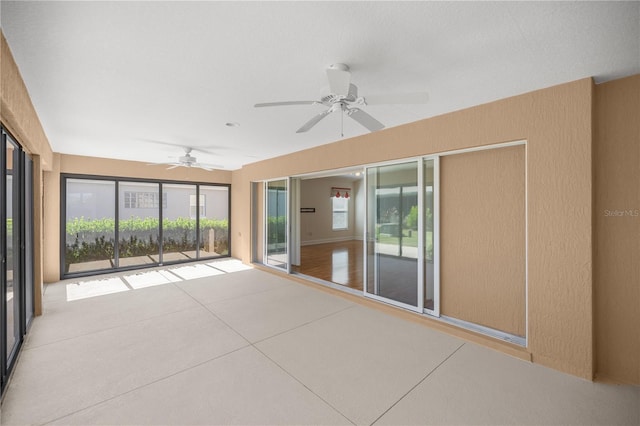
342,125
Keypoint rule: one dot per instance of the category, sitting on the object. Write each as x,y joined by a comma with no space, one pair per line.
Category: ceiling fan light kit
188,160
343,97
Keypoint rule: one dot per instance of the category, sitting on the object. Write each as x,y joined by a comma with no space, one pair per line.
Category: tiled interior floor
221,343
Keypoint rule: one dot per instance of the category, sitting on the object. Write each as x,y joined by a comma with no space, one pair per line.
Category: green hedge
92,239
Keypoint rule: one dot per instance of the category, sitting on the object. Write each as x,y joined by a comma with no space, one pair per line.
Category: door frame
420,281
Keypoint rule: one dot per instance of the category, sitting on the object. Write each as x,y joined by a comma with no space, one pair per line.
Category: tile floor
221,343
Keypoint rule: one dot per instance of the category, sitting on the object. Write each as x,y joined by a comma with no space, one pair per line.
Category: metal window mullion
116,243
160,224
436,236
197,221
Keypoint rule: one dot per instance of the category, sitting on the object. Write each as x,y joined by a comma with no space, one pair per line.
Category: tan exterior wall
16,110
102,167
19,117
557,124
617,229
482,238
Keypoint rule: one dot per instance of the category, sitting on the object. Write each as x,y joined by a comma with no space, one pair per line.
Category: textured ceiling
109,78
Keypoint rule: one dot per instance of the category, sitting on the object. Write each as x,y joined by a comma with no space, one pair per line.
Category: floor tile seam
111,328
304,324
290,374
233,297
215,316
429,373
152,382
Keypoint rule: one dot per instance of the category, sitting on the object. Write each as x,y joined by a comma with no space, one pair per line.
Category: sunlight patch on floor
99,287
78,290
150,279
195,271
231,265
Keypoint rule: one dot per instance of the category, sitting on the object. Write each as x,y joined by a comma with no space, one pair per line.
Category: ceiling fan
187,160
344,98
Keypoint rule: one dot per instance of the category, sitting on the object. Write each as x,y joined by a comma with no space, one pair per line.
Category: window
143,200
340,213
112,223
193,207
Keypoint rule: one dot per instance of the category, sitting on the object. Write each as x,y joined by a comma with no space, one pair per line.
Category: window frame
345,210
163,195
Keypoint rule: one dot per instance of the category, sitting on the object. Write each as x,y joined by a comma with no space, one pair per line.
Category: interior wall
557,123
102,167
617,229
316,228
482,238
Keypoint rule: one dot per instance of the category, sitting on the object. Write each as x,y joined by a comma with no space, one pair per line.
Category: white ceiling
107,78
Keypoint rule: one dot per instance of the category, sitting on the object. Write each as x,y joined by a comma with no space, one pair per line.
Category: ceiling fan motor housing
187,159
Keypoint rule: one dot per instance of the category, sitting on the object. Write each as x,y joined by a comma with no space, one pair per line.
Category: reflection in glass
90,225
277,224
13,253
179,209
138,224
429,273
392,225
213,208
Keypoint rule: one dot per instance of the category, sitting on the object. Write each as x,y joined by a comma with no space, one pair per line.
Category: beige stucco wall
16,110
19,117
482,238
76,164
617,229
557,124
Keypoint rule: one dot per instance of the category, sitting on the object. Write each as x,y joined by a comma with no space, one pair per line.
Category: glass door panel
276,224
90,232
392,233
179,212
430,233
214,221
12,292
138,224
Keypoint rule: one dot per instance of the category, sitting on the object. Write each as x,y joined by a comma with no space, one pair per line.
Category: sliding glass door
276,224
401,252
392,233
16,250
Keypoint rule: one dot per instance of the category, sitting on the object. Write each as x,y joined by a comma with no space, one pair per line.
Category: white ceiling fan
187,160
344,98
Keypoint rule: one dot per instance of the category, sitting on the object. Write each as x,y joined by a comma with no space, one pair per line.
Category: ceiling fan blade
309,124
397,99
201,166
339,79
268,104
353,91
365,119
208,166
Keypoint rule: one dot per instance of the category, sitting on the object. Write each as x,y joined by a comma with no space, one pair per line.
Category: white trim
526,244
436,237
481,148
265,259
393,302
421,248
487,331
